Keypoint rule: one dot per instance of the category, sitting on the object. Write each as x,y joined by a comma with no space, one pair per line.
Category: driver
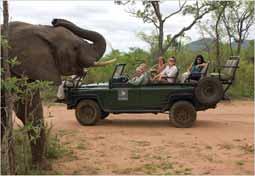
141,76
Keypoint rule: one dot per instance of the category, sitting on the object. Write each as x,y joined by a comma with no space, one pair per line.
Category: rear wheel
182,114
87,112
104,114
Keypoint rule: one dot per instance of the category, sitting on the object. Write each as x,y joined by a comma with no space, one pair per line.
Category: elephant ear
64,48
36,56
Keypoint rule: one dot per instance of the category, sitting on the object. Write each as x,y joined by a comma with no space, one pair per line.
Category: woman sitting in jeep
196,67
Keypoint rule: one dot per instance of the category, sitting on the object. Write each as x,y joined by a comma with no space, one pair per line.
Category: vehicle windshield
118,71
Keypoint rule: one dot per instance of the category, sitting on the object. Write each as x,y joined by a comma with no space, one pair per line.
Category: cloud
118,26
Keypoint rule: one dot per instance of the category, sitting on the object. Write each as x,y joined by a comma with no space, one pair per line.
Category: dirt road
221,142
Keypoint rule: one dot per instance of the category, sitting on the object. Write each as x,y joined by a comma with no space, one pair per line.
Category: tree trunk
161,39
239,44
218,35
230,46
7,143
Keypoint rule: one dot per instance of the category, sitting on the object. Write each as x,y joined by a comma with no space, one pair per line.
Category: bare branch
119,2
153,21
147,18
176,12
185,29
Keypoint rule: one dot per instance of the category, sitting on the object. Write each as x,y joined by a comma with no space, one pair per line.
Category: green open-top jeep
93,102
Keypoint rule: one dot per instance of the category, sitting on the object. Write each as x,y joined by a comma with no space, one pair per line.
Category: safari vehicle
94,102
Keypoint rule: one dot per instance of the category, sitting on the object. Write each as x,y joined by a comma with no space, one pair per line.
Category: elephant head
47,52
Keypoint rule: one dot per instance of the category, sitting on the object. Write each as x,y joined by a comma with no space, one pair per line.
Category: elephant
47,52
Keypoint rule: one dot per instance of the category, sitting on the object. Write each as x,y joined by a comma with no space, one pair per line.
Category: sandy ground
221,142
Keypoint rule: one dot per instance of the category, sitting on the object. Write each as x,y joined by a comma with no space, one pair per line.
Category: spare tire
209,91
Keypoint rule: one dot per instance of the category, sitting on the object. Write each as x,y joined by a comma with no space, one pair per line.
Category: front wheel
87,112
182,114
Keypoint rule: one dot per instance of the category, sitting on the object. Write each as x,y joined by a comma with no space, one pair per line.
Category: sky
117,26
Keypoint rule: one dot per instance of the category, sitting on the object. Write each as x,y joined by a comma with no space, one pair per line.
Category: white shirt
170,71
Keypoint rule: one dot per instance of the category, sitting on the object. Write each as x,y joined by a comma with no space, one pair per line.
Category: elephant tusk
103,63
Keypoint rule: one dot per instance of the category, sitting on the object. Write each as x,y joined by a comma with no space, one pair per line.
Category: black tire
209,91
104,114
87,112
182,114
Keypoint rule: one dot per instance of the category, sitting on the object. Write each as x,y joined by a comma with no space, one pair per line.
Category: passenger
161,65
60,92
142,77
137,74
196,67
169,73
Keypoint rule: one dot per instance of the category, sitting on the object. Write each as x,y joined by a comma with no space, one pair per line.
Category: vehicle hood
95,85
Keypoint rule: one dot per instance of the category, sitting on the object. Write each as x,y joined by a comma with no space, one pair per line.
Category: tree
238,18
151,13
215,29
221,6
7,140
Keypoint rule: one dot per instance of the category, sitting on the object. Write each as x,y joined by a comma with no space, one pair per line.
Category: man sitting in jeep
142,76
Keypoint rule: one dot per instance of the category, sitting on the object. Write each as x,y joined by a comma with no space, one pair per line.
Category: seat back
230,67
204,70
176,76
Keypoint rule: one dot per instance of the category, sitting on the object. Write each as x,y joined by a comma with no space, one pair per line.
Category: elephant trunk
99,43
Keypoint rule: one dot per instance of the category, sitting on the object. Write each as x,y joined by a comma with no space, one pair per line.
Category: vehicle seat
227,72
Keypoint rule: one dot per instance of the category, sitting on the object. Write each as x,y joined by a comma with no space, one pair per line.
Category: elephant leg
32,112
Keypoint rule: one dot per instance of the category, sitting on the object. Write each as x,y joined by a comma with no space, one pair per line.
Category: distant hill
201,44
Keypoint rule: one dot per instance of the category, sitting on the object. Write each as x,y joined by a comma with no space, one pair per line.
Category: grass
247,148
55,150
226,146
208,147
183,171
166,166
24,165
237,140
240,163
141,143
81,146
150,168
135,156
62,133
163,167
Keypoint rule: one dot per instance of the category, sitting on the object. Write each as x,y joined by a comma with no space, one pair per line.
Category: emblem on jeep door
122,94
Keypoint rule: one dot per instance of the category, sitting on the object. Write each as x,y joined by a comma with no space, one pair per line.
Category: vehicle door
154,97
124,98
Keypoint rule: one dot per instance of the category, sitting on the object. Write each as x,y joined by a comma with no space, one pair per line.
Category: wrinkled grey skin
46,53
